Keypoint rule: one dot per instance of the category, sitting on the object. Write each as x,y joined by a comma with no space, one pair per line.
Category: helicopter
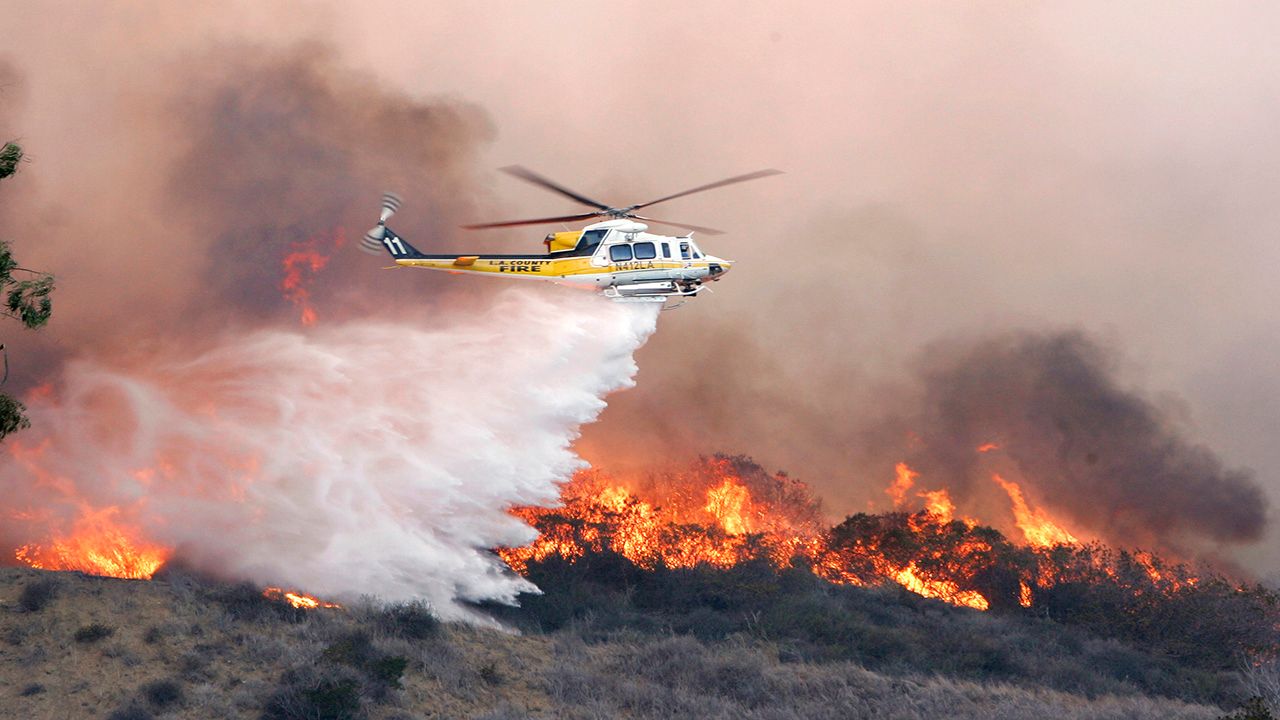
616,256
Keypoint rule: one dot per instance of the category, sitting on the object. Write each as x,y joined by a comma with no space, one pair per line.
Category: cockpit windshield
689,251
589,240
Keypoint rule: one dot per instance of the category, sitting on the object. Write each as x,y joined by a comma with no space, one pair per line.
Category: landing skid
651,292
640,299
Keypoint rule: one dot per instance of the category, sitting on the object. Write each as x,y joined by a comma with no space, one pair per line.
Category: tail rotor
372,241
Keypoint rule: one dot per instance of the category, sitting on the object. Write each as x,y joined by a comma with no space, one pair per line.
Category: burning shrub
37,594
724,547
247,603
611,561
1202,621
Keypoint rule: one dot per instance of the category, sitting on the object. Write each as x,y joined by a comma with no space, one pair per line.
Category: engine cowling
561,241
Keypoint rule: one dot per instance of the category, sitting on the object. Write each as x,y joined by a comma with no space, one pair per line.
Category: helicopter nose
719,266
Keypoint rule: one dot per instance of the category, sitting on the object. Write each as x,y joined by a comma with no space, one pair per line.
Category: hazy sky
952,171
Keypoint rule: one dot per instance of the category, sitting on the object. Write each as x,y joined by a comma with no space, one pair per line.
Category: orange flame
987,447
297,599
98,545
938,502
644,534
726,502
1036,527
909,578
905,478
299,267
717,522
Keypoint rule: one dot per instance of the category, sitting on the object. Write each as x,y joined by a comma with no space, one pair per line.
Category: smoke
223,162
359,458
981,169
286,145
1108,458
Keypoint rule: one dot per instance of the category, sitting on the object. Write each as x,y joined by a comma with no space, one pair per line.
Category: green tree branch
25,299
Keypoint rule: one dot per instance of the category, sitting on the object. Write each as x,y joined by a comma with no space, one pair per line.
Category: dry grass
681,677
175,652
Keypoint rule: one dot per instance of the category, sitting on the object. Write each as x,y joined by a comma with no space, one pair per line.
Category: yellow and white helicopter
616,256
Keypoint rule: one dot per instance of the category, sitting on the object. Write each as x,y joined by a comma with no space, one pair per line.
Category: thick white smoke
363,458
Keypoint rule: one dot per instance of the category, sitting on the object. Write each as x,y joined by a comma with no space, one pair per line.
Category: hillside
181,647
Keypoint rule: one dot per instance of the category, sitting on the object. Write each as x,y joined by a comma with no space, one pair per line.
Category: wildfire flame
299,267
910,579
297,599
726,503
904,479
98,545
1038,529
707,518
721,524
721,514
938,502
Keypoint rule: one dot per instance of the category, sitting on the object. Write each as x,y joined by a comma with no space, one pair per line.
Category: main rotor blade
530,176
536,221
711,186
687,226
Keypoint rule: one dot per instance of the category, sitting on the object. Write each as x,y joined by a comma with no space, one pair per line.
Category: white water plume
362,458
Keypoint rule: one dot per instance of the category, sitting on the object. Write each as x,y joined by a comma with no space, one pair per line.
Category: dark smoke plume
1103,455
288,145
224,164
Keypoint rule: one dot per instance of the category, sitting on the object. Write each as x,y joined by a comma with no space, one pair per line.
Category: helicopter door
600,257
684,251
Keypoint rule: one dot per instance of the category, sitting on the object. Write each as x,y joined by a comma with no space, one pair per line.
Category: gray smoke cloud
287,145
1105,457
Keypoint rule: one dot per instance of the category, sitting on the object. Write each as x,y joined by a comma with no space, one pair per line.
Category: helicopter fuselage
616,257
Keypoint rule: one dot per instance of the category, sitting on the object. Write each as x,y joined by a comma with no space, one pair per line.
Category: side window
645,251
684,251
620,253
666,250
